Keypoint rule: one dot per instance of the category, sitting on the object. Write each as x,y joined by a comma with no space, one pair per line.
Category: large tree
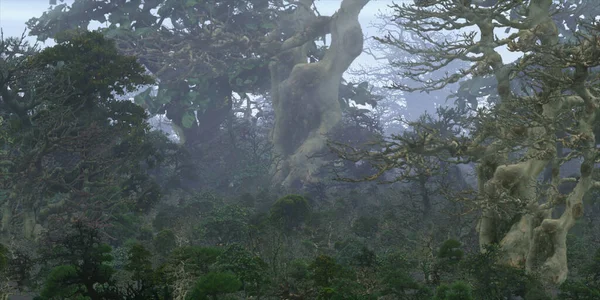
217,49
201,52
70,147
305,95
514,139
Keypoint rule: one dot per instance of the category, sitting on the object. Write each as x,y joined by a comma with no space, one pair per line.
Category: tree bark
305,95
533,239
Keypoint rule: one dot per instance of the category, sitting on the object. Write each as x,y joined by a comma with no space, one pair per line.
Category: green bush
365,226
290,211
214,284
459,290
165,242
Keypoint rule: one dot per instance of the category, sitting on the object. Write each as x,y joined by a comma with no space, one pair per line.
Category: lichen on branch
515,139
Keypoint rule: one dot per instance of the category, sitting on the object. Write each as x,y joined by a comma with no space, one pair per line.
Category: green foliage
450,250
588,286
354,253
592,271
578,290
93,66
456,291
139,262
73,142
125,225
148,283
298,270
214,284
449,256
188,119
165,241
196,260
57,286
323,269
492,280
184,90
344,289
247,200
20,267
82,269
226,225
360,93
290,211
163,219
396,279
4,255
366,226
249,268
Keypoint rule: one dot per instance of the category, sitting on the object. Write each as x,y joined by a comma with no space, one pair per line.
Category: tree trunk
530,237
305,95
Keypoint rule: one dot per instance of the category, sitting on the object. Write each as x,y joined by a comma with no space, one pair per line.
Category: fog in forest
299,149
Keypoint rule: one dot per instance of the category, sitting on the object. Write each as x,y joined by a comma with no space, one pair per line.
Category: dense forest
226,149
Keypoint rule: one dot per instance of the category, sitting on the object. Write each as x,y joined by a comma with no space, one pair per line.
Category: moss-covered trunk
529,236
305,95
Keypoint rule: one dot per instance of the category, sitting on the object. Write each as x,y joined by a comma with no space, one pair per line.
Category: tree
588,287
198,67
409,104
305,95
148,283
396,279
513,140
249,268
214,284
70,141
81,269
290,211
249,46
457,291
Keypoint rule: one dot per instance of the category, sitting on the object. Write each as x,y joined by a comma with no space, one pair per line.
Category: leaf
192,96
163,96
193,80
188,119
114,32
267,25
143,97
143,31
190,3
